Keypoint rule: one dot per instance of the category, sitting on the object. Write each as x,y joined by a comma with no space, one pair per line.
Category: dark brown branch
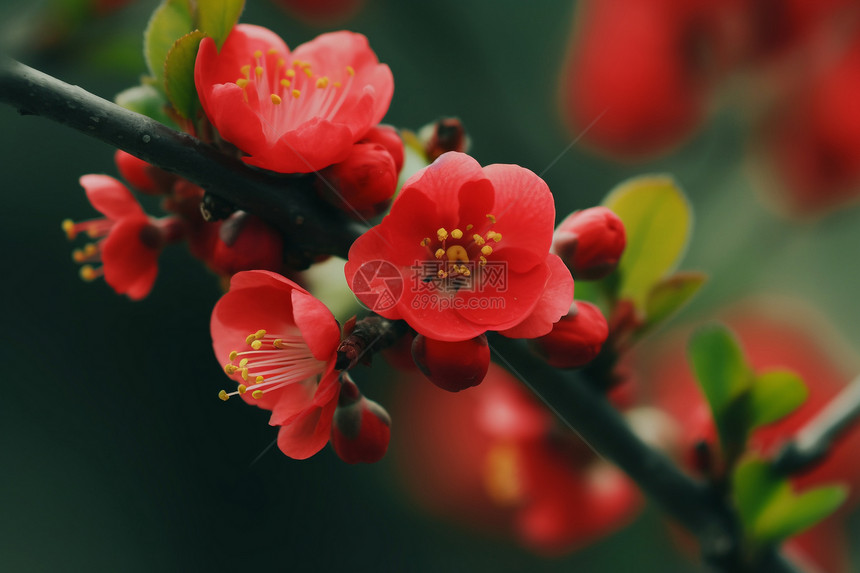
309,226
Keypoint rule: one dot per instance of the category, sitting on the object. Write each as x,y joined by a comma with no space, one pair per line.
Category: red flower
292,112
471,246
128,241
494,458
590,242
280,345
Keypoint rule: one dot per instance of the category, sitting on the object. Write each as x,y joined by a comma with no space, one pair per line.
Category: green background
116,453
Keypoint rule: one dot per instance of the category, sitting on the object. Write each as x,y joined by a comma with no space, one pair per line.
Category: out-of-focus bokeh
117,454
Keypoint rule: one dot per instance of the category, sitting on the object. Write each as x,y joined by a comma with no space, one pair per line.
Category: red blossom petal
553,304
309,147
317,324
130,266
110,197
308,432
524,210
442,181
292,400
497,308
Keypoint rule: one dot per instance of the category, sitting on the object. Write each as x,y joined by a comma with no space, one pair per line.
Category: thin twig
813,442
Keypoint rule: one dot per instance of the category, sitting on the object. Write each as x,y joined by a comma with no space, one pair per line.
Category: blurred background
117,454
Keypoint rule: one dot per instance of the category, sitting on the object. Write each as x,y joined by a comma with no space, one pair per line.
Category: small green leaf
179,74
773,395
145,100
657,220
720,366
170,21
790,514
670,294
217,17
770,511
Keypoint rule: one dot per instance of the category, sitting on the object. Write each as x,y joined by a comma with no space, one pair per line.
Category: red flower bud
245,243
141,175
361,428
388,137
447,134
576,339
590,242
363,184
452,366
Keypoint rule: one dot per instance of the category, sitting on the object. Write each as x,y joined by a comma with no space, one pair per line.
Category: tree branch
814,441
697,506
310,226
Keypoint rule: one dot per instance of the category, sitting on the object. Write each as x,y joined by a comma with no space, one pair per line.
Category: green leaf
773,395
670,294
179,74
720,367
657,220
770,511
217,17
789,514
170,21
145,100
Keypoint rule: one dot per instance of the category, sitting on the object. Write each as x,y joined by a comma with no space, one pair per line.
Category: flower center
288,94
272,362
461,250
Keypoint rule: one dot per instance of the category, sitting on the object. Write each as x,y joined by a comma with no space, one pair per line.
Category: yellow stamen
242,82
469,227
479,240
233,355
258,54
258,71
245,374
350,70
457,234
278,343
243,363
425,242
285,83
257,393
223,395
322,82
88,273
465,271
440,253
308,72
259,334
296,93
230,369
246,70
272,51
250,338
441,274
482,261
442,234
337,84
276,99
242,388
487,250
492,218
290,73
258,379
281,63
256,344
69,228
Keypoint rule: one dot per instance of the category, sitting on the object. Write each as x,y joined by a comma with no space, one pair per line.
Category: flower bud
576,339
388,137
244,243
447,134
141,175
361,428
452,366
590,242
363,184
